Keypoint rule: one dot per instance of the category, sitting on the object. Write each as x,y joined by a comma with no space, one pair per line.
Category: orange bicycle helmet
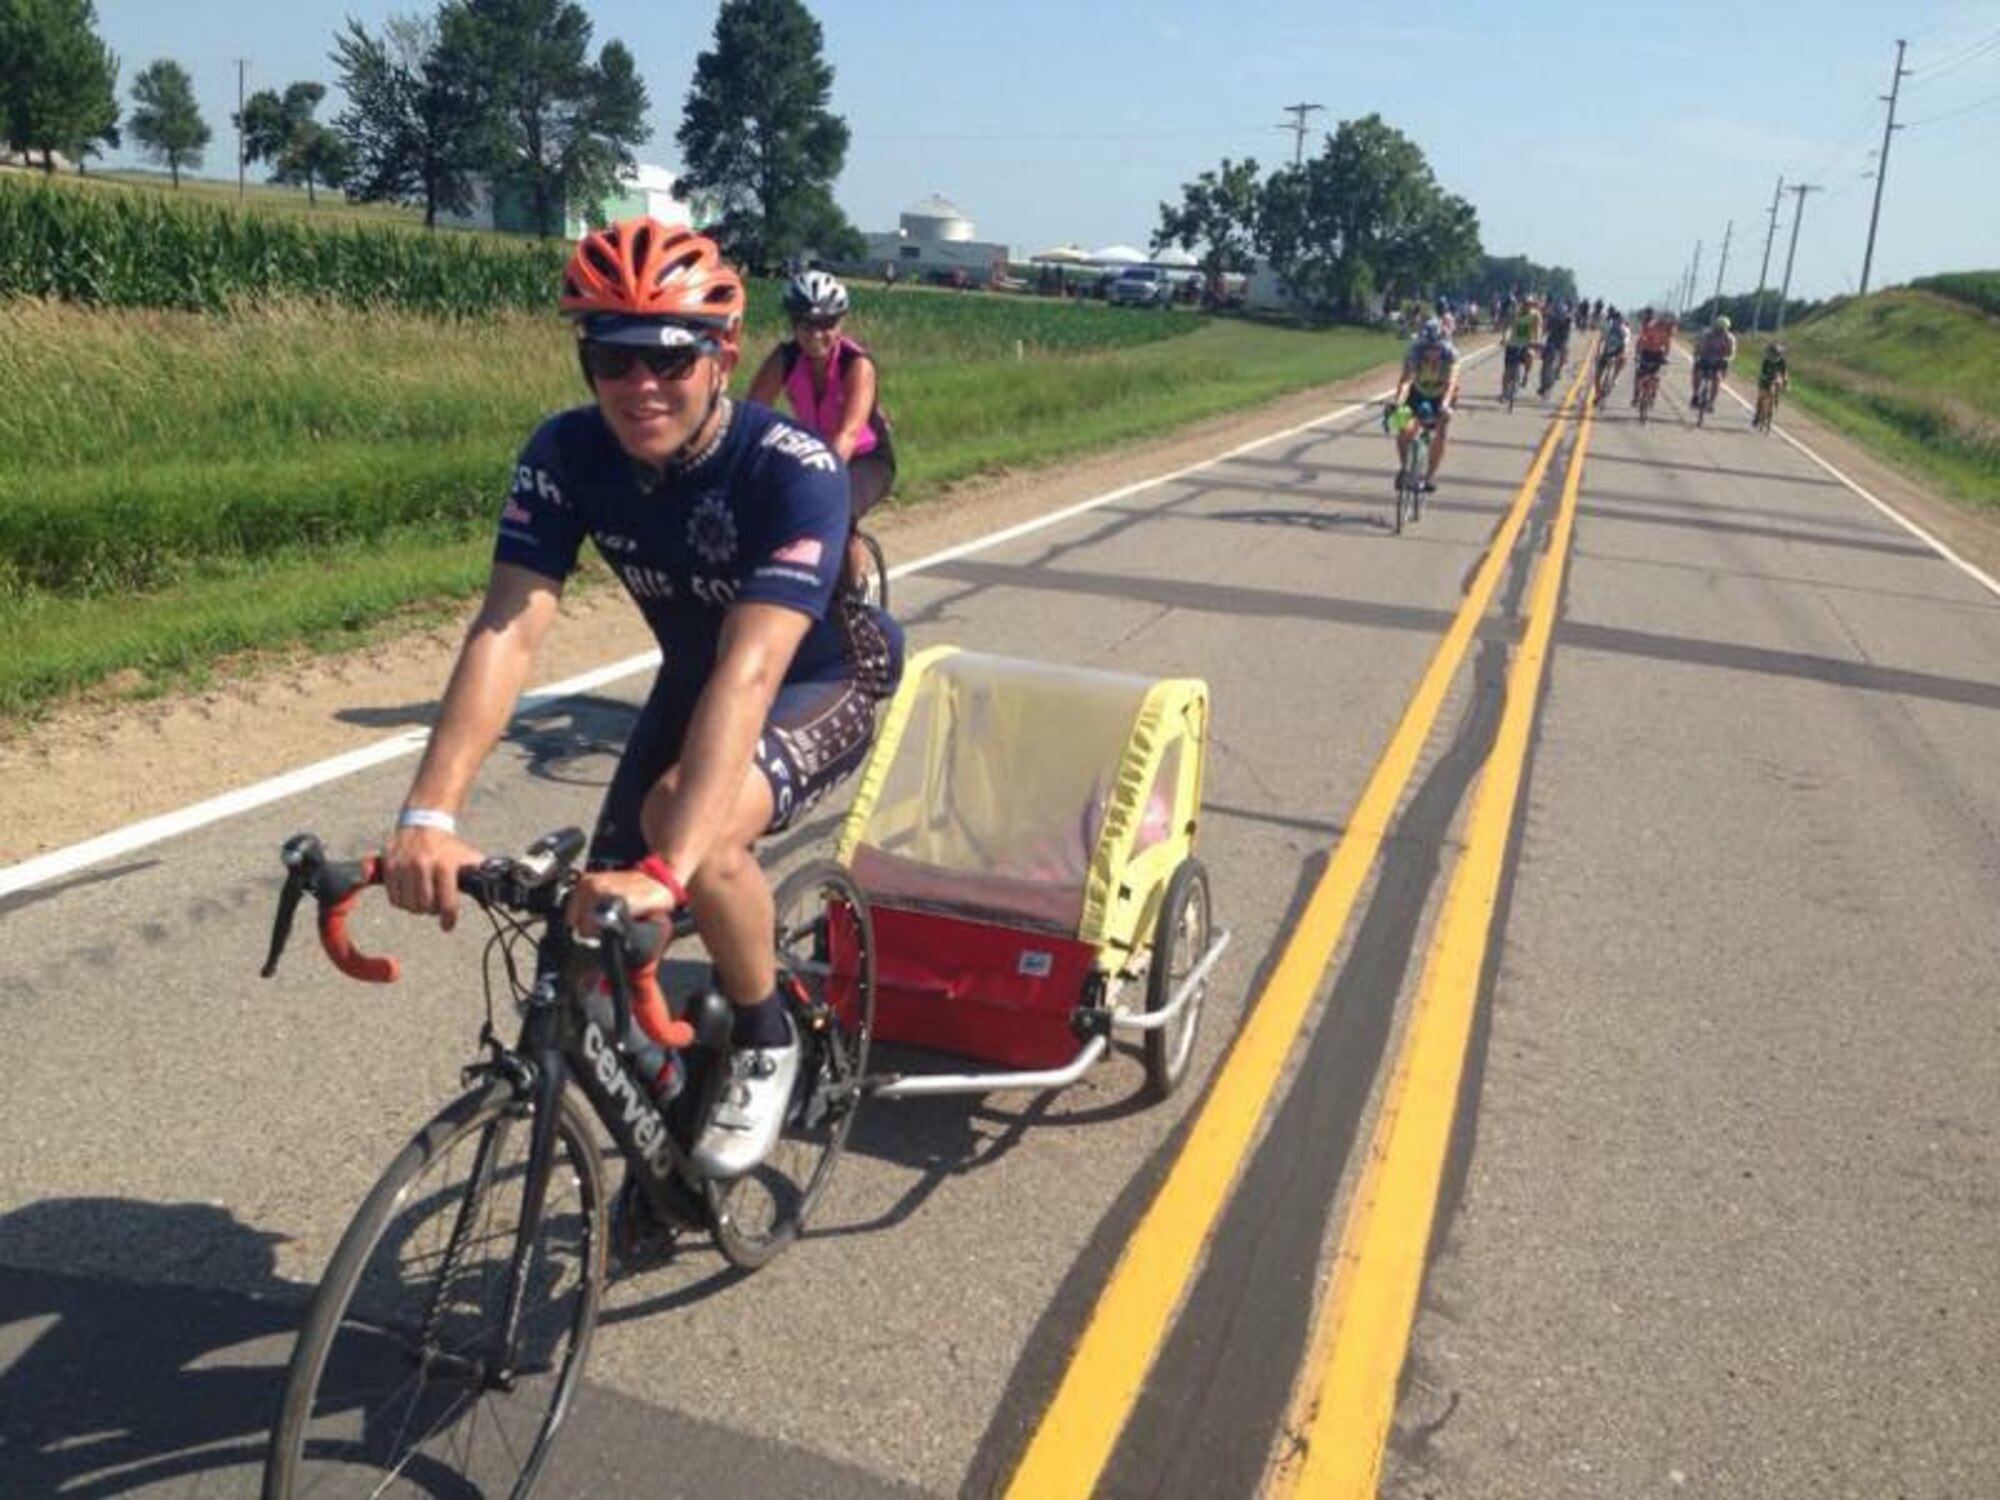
640,269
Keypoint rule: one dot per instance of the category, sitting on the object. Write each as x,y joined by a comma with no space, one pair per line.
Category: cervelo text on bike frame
638,1118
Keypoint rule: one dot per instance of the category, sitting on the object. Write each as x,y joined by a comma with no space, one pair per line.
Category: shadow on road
108,1385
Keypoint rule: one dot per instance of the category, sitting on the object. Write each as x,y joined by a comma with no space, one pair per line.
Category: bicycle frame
560,1042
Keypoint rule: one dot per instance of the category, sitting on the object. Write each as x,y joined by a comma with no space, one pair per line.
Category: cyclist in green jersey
1430,387
1524,336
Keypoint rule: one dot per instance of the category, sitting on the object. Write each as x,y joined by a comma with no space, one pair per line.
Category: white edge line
1943,549
73,857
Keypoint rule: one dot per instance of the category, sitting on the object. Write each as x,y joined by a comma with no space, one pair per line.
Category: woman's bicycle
1767,408
449,1332
873,584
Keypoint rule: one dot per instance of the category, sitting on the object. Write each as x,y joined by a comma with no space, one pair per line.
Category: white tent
1074,255
1119,255
1176,258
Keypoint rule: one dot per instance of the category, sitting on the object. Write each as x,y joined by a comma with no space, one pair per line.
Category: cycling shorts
869,478
818,733
1768,378
1652,361
1429,408
1710,367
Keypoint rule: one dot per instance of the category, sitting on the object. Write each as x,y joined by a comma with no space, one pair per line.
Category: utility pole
241,64
1723,264
1798,214
1694,275
1764,271
1889,127
1298,128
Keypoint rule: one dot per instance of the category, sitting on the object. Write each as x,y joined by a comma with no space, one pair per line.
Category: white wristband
426,817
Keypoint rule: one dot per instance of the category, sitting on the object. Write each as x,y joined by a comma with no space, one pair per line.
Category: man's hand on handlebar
420,871
644,897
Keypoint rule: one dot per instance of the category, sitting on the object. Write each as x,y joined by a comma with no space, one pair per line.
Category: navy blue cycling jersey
762,518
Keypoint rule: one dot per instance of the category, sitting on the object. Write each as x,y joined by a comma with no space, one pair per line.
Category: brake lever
281,929
303,856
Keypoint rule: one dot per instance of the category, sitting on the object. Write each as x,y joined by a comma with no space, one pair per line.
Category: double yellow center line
1346,1395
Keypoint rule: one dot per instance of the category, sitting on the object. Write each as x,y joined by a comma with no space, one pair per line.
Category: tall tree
1364,219
557,126
58,81
281,130
167,124
412,125
758,138
1217,216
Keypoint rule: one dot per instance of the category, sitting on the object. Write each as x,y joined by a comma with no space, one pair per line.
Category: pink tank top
822,412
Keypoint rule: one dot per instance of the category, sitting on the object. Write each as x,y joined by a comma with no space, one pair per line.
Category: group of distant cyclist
1530,327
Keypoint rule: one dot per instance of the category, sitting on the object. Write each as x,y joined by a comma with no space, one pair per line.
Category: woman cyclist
828,380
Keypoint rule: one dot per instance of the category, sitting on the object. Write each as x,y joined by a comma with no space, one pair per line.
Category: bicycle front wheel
874,587
401,1383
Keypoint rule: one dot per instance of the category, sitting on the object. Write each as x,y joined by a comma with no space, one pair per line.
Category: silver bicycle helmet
815,294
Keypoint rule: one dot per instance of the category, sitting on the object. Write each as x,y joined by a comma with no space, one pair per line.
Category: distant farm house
508,208
933,241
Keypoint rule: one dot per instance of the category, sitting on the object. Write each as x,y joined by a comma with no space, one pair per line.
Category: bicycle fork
540,1086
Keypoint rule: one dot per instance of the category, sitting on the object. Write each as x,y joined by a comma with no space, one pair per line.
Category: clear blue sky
1605,137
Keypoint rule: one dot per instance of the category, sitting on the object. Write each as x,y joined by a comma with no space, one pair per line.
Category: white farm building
934,241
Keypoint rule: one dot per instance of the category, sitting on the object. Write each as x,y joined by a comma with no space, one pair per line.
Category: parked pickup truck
1139,286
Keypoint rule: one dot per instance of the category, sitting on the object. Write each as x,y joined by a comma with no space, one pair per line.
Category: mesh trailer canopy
1014,830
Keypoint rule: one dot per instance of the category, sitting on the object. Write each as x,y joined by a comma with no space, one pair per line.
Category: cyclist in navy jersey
727,525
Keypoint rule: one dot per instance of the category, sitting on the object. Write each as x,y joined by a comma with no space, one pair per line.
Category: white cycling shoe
751,1109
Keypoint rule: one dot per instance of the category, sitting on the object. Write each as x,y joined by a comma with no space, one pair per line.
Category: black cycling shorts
1428,408
869,478
1652,361
816,736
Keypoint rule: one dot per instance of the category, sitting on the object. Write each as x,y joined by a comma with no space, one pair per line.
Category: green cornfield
1980,289
145,250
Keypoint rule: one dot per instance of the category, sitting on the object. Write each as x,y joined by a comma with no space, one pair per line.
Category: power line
1984,47
1298,128
1889,128
241,159
1798,216
1953,114
1763,271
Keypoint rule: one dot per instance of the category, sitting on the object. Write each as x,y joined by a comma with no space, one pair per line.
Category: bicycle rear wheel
826,966
398,1384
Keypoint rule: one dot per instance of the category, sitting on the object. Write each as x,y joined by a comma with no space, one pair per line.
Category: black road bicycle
1554,356
450,1329
873,585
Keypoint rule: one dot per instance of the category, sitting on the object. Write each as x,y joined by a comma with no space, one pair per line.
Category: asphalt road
1720,1215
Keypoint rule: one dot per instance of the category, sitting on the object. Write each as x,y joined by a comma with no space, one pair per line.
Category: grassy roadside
1911,375
178,489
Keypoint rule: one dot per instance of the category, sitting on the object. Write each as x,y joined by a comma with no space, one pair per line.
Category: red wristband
657,869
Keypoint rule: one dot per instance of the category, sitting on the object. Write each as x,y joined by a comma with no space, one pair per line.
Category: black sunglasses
615,361
817,325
